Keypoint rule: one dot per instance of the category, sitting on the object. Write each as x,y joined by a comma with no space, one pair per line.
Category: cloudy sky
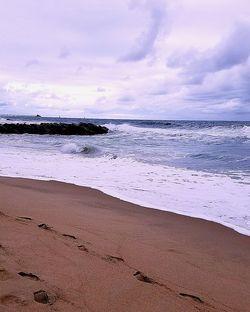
154,59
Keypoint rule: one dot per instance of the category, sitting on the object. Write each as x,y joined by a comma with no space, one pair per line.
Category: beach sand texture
91,252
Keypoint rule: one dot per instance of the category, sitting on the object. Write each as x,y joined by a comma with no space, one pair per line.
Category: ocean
194,168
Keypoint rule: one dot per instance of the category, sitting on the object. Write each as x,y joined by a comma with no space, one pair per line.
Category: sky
135,59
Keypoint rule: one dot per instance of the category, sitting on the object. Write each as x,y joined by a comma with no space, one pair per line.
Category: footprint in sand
83,248
3,214
24,218
44,226
114,259
4,274
174,251
195,298
29,275
143,278
10,299
69,236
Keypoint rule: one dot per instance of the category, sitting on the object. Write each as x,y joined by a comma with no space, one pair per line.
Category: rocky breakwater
53,128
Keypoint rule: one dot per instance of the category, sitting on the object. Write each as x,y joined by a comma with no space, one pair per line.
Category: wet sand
91,252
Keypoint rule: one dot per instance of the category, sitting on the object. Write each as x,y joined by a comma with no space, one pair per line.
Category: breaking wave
216,132
88,150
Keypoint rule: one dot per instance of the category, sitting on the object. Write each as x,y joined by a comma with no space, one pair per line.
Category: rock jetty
53,128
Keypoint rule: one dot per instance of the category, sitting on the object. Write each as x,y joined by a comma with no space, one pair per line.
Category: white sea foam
71,148
3,120
212,133
87,149
209,196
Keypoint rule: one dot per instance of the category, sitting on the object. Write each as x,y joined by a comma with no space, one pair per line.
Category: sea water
194,168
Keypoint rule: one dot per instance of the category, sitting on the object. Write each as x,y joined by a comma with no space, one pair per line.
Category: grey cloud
101,100
31,63
217,80
64,54
5,100
225,92
233,50
145,41
159,89
126,98
100,89
88,31
3,104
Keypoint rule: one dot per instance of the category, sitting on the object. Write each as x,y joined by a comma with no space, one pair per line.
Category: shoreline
140,203
134,258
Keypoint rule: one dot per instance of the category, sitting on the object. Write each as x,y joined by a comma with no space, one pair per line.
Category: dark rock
53,129
43,297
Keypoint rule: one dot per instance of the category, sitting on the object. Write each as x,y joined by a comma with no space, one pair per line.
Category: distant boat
38,116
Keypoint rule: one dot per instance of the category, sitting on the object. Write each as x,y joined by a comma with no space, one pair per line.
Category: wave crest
206,133
73,148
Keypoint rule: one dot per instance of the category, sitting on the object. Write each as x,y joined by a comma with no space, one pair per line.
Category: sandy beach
91,252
